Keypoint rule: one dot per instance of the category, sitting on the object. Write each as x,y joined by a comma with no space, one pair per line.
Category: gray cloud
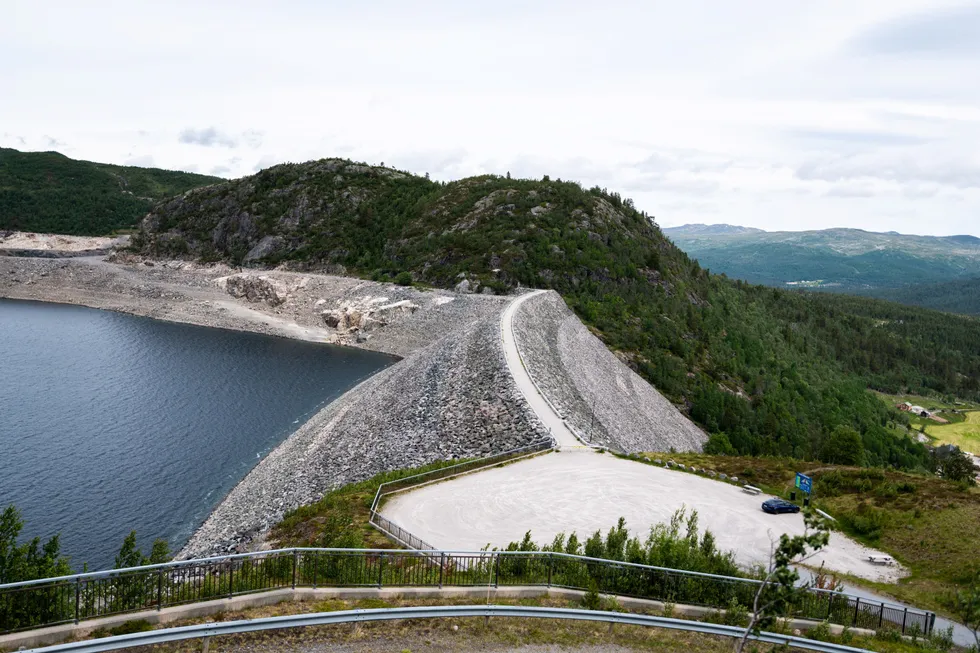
909,168
7,136
437,163
862,138
220,171
951,31
654,182
253,138
208,137
851,190
53,143
141,161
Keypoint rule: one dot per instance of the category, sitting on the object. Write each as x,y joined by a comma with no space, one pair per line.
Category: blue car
776,506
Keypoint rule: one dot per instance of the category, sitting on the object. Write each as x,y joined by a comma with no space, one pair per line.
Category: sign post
805,484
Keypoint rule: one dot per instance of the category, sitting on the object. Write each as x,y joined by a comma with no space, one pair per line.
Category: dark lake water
111,423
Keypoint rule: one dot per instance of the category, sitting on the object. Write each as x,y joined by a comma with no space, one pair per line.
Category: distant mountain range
49,192
935,272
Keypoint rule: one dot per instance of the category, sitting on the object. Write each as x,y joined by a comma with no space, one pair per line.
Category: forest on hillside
962,296
766,371
49,193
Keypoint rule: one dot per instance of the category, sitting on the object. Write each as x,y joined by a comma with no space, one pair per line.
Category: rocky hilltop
483,233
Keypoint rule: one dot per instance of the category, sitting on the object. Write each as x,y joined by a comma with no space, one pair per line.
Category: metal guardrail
404,537
433,612
53,601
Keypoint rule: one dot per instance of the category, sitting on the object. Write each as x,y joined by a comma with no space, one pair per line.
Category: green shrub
736,614
591,599
867,521
820,632
404,278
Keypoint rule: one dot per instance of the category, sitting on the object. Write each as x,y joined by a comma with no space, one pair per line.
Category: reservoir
111,422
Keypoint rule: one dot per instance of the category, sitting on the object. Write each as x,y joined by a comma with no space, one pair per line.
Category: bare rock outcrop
255,288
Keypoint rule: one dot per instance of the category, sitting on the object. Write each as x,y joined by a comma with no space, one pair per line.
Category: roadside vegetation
924,522
677,544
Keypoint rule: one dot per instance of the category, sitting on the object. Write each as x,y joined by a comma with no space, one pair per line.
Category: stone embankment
454,398
602,399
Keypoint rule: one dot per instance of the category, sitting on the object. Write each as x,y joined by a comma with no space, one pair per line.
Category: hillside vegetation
934,272
765,371
961,296
48,192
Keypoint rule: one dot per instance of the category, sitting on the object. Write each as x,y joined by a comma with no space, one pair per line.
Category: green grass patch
341,517
964,432
126,628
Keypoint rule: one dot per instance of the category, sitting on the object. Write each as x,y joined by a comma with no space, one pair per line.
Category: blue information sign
804,482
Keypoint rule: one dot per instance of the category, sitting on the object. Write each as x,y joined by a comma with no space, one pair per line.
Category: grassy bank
926,523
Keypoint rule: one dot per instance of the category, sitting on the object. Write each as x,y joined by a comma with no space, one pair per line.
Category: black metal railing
48,602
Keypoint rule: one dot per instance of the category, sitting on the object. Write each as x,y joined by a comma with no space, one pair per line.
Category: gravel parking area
583,491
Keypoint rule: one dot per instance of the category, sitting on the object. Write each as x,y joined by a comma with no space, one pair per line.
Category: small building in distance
920,411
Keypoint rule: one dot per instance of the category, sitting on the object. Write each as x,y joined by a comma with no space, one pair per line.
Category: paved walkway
542,408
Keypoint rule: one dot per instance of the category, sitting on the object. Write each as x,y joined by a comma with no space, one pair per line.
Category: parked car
776,506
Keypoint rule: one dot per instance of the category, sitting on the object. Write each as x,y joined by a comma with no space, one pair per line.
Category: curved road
542,408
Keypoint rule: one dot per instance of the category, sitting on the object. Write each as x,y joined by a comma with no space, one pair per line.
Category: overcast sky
765,113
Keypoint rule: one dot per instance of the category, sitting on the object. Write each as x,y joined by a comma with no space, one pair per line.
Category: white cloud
770,114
